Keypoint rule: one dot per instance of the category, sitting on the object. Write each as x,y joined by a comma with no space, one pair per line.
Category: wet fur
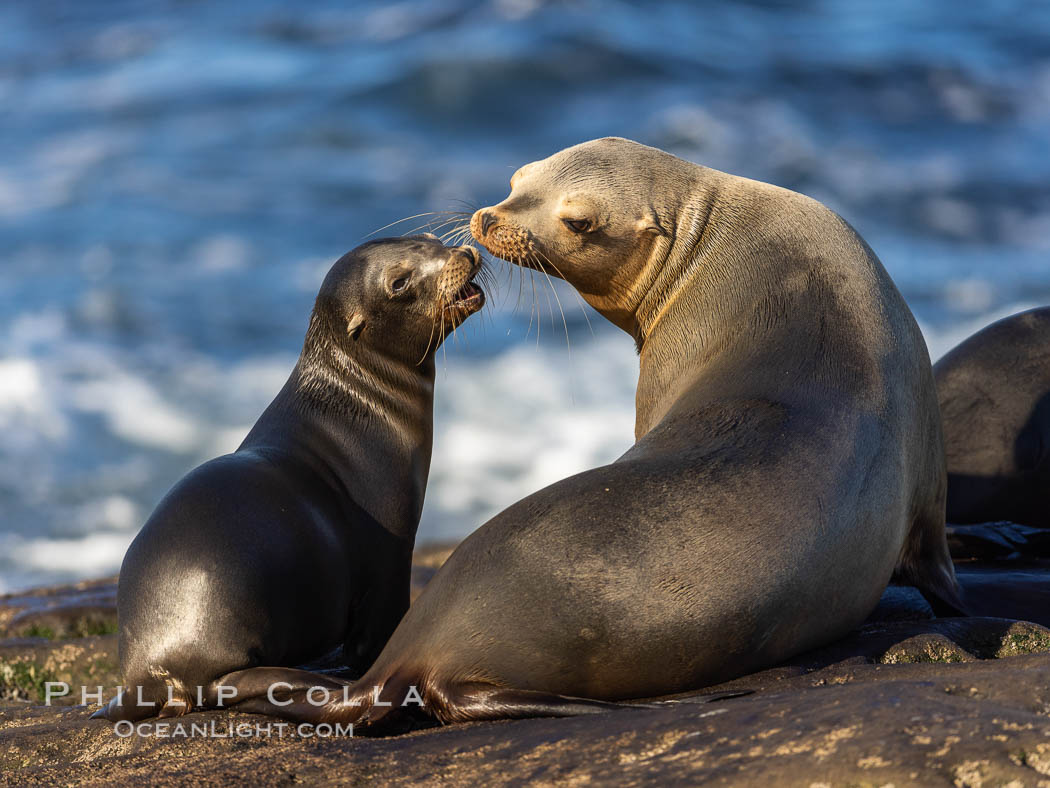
301,540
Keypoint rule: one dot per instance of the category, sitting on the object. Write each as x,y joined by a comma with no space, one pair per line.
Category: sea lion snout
463,263
460,296
481,221
472,254
507,240
488,227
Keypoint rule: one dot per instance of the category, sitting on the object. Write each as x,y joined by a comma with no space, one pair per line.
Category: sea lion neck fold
341,387
357,380
735,281
675,262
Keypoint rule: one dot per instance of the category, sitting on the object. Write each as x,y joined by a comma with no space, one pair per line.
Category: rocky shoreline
907,699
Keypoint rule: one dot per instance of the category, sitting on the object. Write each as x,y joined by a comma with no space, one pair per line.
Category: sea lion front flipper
118,711
266,690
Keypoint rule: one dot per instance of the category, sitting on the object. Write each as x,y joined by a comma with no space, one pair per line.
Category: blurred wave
176,177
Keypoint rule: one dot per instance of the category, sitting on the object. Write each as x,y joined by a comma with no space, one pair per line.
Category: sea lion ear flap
355,324
650,223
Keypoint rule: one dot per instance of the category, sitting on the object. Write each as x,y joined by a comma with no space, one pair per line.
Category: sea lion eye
399,284
577,225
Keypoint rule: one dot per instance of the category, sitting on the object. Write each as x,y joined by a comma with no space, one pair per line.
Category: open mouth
462,268
468,295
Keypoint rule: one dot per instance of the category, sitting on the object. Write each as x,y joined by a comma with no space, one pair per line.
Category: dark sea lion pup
994,391
788,460
301,540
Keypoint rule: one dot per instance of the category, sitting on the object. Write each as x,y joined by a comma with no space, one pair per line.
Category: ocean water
176,177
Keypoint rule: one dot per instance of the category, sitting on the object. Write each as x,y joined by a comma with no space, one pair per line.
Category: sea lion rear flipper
459,703
299,697
484,702
936,581
945,605
925,563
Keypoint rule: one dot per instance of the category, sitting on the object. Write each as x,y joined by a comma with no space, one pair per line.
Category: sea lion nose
487,220
469,252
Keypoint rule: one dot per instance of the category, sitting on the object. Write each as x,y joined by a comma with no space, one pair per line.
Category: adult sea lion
788,460
301,540
994,392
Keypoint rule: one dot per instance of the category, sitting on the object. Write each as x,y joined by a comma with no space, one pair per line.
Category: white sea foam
137,412
27,414
512,424
221,253
506,425
92,555
109,512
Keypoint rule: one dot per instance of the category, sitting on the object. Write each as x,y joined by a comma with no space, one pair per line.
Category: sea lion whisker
530,264
535,306
430,339
489,280
408,219
456,235
469,207
579,299
461,217
522,292
462,234
429,226
455,333
510,270
535,266
564,322
444,353
452,235
532,313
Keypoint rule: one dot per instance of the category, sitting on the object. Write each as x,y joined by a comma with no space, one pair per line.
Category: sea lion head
401,296
593,214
